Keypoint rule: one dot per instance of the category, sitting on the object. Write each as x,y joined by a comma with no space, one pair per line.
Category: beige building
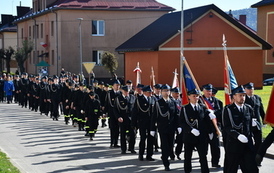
101,26
265,25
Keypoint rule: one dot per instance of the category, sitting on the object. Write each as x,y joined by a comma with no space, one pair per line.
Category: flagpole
182,58
227,90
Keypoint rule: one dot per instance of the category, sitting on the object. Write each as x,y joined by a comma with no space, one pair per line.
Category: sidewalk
36,144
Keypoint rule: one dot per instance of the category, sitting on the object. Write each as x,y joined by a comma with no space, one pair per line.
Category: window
98,27
52,28
37,31
22,33
29,31
52,57
97,56
42,28
33,30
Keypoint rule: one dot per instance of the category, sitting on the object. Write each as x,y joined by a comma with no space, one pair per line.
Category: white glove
82,111
254,122
242,138
179,129
152,133
210,111
212,115
210,136
195,132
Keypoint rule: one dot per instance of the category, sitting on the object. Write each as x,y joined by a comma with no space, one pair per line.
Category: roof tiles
114,4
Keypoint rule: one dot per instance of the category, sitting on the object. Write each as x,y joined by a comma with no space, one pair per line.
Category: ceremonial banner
175,82
269,116
188,83
138,71
152,78
230,81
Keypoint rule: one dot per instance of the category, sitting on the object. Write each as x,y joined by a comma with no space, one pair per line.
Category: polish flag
43,44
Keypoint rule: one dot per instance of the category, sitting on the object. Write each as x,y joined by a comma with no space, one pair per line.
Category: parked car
269,81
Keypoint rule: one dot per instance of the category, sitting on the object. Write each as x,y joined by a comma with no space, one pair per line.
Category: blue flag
189,82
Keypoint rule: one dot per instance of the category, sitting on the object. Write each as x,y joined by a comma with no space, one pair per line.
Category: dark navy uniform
123,106
141,119
195,119
165,115
113,122
92,112
255,102
239,149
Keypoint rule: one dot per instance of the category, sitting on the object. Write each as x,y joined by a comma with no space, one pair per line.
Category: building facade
204,28
58,29
265,25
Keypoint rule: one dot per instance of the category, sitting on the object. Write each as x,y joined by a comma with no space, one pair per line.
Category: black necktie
195,108
241,110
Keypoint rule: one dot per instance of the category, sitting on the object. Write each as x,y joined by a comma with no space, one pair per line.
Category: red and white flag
175,82
230,81
138,72
43,44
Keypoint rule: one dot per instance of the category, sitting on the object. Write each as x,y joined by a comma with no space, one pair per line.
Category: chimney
242,19
230,13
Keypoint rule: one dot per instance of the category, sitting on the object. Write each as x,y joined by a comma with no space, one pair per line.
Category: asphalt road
37,144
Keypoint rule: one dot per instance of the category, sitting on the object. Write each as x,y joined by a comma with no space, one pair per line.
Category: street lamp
80,44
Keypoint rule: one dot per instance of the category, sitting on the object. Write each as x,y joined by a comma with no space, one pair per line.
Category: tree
2,56
109,61
22,54
8,54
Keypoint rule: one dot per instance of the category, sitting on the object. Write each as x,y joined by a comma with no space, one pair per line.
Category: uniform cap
175,90
101,83
208,86
55,77
249,85
158,86
91,93
214,90
147,88
140,86
106,85
193,91
129,81
239,89
116,81
165,87
125,88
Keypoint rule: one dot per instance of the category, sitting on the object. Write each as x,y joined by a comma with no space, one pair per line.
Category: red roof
114,4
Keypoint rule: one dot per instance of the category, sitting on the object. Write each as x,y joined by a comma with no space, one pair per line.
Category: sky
9,6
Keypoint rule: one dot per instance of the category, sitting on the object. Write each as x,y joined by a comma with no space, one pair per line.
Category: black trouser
24,99
42,104
1,94
127,131
66,111
257,138
145,136
35,103
245,159
167,143
114,129
54,108
266,143
31,100
201,148
92,125
215,149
